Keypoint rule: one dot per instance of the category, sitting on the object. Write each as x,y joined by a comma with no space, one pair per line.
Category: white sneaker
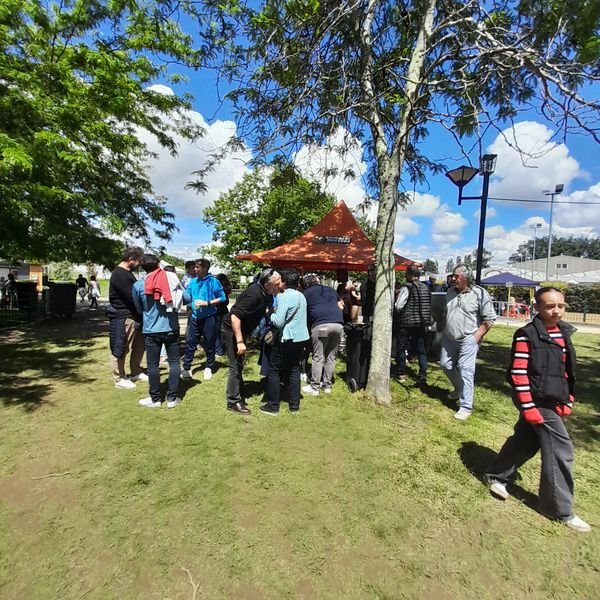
310,390
499,490
124,384
453,395
141,377
148,403
173,403
303,377
577,524
326,390
463,414
186,374
207,373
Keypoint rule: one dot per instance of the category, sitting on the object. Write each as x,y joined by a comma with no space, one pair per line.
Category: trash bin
358,354
27,296
61,298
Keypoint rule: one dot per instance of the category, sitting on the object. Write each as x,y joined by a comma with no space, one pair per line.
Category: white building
569,269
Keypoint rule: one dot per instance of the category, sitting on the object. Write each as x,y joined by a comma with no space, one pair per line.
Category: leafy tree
61,271
486,256
449,265
571,246
430,266
387,72
262,212
75,91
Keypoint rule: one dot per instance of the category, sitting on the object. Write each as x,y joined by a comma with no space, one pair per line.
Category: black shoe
267,410
239,407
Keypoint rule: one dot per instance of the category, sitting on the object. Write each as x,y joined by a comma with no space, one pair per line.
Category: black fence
25,304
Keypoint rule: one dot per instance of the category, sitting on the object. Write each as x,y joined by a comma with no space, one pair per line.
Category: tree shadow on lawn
52,351
477,458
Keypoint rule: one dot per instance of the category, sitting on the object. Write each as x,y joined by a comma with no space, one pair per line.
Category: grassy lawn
100,498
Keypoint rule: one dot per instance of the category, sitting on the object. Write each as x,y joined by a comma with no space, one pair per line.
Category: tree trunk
389,170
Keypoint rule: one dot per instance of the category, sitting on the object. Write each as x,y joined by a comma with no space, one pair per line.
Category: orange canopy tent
336,242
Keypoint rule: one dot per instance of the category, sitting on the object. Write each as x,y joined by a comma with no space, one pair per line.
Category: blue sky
433,225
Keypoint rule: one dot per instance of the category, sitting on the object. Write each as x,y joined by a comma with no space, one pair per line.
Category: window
559,266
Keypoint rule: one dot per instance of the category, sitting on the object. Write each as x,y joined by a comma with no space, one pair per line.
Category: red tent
335,243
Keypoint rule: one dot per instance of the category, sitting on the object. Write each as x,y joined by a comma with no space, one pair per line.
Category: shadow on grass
50,351
477,458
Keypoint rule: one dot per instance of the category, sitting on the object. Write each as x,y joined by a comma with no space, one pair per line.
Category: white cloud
328,164
447,227
170,174
530,162
490,213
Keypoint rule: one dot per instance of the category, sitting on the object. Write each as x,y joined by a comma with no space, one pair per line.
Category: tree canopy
75,90
262,212
570,246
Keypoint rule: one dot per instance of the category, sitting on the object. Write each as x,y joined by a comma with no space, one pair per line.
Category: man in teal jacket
207,293
159,327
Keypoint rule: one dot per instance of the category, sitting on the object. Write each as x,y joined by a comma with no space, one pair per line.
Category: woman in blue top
290,319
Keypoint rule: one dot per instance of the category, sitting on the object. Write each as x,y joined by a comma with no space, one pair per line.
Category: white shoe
310,390
207,373
124,384
173,403
453,395
577,524
499,490
463,414
141,377
148,403
303,377
186,374
326,390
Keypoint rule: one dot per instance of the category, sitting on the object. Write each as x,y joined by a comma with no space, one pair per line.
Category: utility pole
535,227
557,191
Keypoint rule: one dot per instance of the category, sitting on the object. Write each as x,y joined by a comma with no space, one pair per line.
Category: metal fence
519,311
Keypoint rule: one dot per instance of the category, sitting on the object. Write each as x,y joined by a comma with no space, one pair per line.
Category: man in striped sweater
542,377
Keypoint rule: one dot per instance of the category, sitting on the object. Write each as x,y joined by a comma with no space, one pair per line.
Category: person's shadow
477,458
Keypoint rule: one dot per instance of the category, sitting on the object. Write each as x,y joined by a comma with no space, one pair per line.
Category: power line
543,201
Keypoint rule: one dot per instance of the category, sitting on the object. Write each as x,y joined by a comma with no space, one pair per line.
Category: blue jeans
458,359
154,342
198,328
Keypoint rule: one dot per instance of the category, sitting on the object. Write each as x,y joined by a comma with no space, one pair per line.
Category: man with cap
413,306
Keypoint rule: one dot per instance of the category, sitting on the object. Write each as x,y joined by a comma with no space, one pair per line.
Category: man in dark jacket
542,377
244,316
125,322
413,306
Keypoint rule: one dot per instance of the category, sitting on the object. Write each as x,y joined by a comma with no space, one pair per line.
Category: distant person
243,318
542,377
125,322
10,291
326,323
190,273
222,310
433,285
367,294
207,293
160,328
94,292
82,287
413,306
289,319
469,314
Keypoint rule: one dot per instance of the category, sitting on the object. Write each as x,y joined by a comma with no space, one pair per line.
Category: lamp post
557,191
535,227
463,175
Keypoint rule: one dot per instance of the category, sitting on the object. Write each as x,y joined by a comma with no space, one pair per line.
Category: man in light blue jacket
207,293
159,326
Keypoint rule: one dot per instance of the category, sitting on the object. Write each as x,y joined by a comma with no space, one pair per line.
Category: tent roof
504,278
336,242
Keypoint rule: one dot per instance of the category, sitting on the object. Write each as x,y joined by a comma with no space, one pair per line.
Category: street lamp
463,175
557,191
535,227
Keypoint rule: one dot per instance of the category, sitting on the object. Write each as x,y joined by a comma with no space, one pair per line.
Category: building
569,269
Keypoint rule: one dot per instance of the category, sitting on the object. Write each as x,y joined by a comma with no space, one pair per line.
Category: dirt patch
304,590
250,592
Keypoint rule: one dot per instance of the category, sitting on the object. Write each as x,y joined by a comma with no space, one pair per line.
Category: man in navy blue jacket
159,327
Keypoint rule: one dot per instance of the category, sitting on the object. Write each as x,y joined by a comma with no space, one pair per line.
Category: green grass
344,500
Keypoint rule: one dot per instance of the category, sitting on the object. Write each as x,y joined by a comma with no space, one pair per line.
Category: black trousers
284,364
236,369
552,439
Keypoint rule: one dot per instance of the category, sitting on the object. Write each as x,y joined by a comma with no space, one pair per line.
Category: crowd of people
295,313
